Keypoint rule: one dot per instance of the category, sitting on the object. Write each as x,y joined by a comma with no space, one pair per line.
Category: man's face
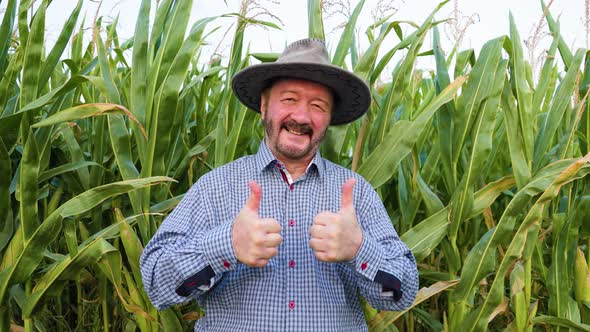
296,114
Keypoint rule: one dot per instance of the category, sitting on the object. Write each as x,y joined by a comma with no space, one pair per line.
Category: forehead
302,86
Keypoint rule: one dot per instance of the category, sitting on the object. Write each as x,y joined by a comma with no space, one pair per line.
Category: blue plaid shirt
191,255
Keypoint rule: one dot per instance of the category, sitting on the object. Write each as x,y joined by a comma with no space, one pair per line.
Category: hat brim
353,96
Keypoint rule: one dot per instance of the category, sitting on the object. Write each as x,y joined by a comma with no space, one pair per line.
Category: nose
301,114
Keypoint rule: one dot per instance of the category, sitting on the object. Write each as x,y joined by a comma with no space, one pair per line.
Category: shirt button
226,264
291,305
291,187
291,263
291,222
278,165
364,266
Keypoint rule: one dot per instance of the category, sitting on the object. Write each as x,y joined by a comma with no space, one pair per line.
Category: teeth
294,132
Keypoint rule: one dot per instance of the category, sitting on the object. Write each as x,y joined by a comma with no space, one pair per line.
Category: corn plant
482,169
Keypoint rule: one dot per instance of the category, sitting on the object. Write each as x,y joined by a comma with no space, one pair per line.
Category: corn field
482,168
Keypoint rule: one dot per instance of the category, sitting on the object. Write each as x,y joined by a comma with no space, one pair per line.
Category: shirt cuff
218,249
368,259
202,280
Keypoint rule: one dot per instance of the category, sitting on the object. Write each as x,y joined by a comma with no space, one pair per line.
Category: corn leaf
378,166
22,257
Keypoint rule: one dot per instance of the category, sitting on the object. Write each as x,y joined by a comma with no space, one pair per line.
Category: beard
289,152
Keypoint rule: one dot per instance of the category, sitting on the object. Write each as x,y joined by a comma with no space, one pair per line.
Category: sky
486,19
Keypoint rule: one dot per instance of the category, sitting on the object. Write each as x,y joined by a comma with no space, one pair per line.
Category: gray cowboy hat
306,59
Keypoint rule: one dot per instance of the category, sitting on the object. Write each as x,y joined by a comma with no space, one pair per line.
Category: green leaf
379,165
265,57
85,111
520,165
563,322
6,34
5,209
33,55
68,268
133,247
28,188
22,257
522,92
477,89
481,133
386,318
48,174
444,116
565,52
23,24
54,56
315,21
6,82
559,105
110,90
549,183
423,238
347,37
167,100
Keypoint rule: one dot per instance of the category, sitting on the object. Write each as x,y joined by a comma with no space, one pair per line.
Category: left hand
337,237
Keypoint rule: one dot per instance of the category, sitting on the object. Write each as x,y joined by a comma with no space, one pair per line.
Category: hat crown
311,50
306,59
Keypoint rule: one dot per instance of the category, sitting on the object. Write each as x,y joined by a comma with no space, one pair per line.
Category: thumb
255,193
347,197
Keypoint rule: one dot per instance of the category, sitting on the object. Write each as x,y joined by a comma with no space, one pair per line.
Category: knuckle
312,244
312,231
333,247
257,239
257,225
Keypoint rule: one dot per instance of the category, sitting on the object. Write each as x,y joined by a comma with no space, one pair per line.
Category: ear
263,105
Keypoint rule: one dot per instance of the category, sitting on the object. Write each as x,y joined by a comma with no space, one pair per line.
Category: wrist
218,248
357,244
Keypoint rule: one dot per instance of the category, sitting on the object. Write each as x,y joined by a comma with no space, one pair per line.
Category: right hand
255,240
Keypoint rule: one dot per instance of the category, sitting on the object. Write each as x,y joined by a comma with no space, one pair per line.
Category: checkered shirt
294,291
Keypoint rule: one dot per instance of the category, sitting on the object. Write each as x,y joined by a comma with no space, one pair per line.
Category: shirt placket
291,260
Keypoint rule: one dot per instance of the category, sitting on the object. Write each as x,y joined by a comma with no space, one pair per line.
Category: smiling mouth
295,132
297,129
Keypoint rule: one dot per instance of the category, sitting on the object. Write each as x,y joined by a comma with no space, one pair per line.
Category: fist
337,237
255,240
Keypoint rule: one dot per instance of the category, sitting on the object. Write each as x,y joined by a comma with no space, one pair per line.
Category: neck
296,167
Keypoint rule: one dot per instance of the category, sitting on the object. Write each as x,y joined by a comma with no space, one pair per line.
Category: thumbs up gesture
255,240
337,237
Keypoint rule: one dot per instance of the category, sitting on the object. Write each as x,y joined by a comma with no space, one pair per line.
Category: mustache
300,128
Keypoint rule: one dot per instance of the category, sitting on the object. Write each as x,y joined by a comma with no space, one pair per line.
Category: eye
318,107
288,100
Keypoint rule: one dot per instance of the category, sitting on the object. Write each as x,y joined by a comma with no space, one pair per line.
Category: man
284,240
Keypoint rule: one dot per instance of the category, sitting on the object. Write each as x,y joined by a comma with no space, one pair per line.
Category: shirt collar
264,158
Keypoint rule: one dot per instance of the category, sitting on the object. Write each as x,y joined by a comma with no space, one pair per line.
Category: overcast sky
489,19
